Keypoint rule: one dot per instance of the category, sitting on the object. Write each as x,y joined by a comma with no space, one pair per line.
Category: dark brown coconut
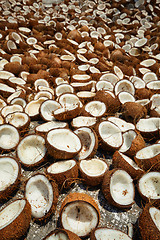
127,164
19,226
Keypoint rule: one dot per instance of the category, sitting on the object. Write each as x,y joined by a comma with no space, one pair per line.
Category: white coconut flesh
155,215
88,141
122,188
39,193
17,80
122,124
148,62
64,140
11,212
124,86
138,82
63,88
95,108
128,138
9,170
61,166
148,125
149,76
110,234
43,94
148,152
149,185
68,99
45,127
17,119
14,95
130,161
94,167
65,109
111,134
11,109
2,103
155,99
154,85
85,94
81,77
79,217
31,149
104,85
7,89
47,108
18,101
125,97
9,137
58,236
32,108
83,121
110,77
6,75
1,120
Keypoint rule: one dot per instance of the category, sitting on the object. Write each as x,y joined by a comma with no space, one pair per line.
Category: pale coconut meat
11,109
93,167
61,166
122,188
122,124
9,137
153,85
128,138
63,88
125,97
47,108
110,134
9,171
149,185
124,86
2,103
148,152
63,143
83,121
69,99
43,94
109,77
11,212
155,215
18,101
46,127
18,119
81,78
148,125
31,150
109,234
104,85
58,236
33,107
39,193
95,108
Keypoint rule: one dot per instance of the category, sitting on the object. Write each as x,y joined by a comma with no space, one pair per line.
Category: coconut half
47,109
110,136
83,121
79,213
61,234
149,222
31,151
44,128
42,196
15,219
10,172
93,171
89,142
95,108
149,186
118,188
108,234
122,124
19,120
9,137
63,143
63,172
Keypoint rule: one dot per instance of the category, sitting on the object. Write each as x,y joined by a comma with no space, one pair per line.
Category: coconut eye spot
11,212
121,187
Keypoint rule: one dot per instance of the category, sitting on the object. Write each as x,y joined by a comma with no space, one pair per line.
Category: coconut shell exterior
54,202
79,197
120,162
106,190
92,180
59,154
18,228
147,227
69,234
65,178
7,193
137,144
132,111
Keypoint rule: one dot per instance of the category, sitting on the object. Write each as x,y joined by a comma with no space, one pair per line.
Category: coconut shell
69,234
7,193
67,114
17,228
147,227
120,162
65,178
106,190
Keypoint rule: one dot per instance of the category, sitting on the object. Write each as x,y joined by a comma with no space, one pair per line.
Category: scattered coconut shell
9,137
118,188
83,206
62,234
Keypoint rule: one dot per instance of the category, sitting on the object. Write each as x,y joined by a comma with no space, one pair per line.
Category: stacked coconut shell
78,78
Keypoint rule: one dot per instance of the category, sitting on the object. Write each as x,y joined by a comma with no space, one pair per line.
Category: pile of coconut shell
79,119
